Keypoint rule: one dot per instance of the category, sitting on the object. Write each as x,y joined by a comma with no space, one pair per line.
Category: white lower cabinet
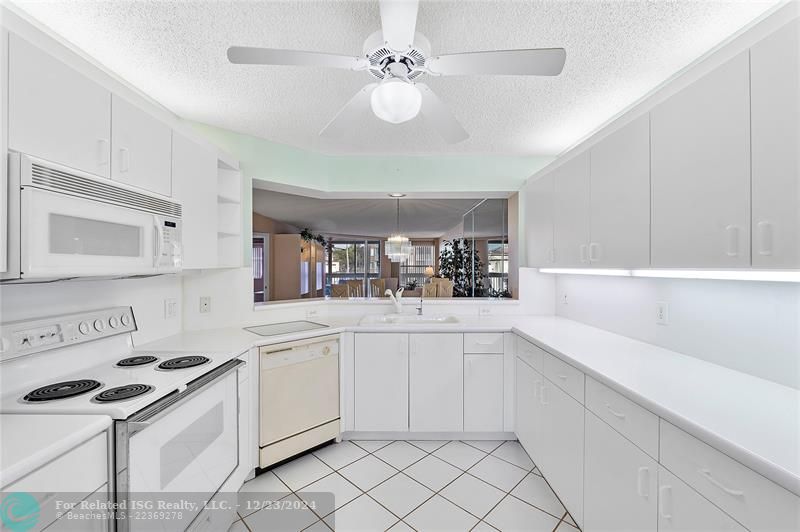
436,393
680,508
562,440
619,482
381,382
483,393
529,409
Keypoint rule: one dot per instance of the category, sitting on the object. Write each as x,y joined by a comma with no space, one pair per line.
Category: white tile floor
415,485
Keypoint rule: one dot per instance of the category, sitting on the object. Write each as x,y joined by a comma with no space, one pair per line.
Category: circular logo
20,511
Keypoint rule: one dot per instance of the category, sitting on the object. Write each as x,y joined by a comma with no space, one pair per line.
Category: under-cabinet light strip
730,275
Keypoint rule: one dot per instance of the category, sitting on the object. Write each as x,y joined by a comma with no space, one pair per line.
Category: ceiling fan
397,56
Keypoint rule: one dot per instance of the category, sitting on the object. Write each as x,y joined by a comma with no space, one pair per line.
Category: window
498,267
423,255
354,261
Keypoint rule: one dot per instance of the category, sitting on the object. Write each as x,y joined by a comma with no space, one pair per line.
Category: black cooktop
61,390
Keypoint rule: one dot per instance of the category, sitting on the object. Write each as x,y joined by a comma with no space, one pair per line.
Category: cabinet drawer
751,499
483,343
564,376
629,419
70,478
530,353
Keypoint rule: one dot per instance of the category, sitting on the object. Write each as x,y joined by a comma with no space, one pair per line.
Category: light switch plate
170,308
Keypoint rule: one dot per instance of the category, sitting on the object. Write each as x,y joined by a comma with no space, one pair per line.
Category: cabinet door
381,387
526,401
620,482
483,392
56,113
194,184
571,212
620,198
436,396
680,508
539,222
141,148
775,86
700,142
561,456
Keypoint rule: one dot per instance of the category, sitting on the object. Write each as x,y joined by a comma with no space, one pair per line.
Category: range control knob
326,350
113,322
83,327
125,319
99,325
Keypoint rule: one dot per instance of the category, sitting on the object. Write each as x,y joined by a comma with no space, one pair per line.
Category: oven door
70,236
177,453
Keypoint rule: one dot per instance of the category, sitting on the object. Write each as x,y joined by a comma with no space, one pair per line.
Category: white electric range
176,414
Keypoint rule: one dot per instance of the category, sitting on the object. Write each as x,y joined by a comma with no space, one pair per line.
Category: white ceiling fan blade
532,62
247,55
438,115
351,116
399,22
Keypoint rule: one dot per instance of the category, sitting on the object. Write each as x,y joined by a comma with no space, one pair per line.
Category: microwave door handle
159,236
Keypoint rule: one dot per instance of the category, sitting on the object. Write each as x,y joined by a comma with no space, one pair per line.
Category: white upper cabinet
539,222
620,198
436,392
56,113
141,148
571,212
700,149
194,184
775,106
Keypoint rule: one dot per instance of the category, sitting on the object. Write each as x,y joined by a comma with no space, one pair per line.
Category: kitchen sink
407,319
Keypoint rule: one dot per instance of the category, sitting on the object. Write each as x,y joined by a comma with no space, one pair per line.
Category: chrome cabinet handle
706,473
614,413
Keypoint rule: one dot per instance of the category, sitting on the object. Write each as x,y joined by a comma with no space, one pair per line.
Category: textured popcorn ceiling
617,51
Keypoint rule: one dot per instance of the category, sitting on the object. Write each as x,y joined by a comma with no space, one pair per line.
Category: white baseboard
364,435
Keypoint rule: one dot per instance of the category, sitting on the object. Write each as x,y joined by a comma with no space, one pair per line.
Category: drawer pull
707,474
665,501
485,343
643,482
542,397
618,415
562,376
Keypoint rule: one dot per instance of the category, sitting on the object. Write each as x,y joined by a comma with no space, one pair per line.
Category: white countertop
754,421
30,441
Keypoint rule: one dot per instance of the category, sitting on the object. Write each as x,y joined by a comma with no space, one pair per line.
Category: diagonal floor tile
513,514
265,486
360,514
238,526
432,472
338,455
400,494
400,526
302,471
441,515
343,492
498,473
513,452
400,454
486,446
563,526
428,445
319,526
459,454
534,490
371,445
290,517
472,494
367,472
568,518
483,526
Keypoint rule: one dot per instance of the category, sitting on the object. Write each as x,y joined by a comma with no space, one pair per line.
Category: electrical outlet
662,313
205,304
170,308
484,311
564,299
312,313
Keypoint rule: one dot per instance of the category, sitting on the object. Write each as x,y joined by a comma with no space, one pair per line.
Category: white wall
146,296
752,327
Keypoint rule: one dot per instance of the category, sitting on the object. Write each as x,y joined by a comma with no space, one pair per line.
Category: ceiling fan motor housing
381,57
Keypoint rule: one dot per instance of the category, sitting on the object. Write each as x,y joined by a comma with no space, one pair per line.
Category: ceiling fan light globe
396,101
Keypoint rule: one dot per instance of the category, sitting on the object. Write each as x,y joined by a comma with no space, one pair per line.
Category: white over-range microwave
63,223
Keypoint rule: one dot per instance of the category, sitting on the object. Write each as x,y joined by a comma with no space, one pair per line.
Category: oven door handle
165,405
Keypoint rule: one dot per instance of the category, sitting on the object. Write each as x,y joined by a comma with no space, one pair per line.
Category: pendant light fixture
398,247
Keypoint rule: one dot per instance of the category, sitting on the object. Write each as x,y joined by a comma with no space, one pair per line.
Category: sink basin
407,319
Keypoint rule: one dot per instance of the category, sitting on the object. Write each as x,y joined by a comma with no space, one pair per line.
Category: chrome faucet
419,308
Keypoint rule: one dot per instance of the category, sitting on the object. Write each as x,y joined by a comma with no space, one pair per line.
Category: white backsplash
752,327
146,296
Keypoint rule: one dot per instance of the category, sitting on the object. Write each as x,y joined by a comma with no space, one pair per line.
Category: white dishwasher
299,397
